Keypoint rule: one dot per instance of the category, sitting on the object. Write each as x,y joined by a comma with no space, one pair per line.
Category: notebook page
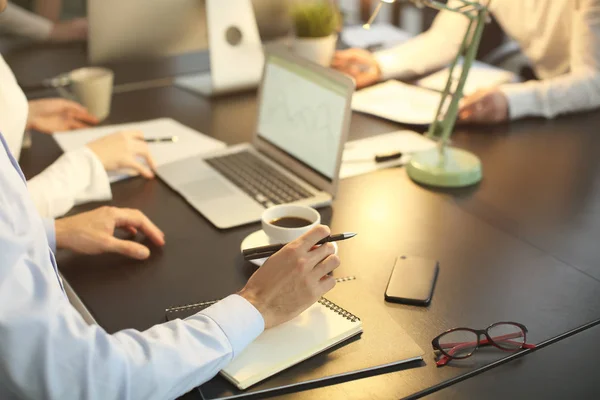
189,143
313,331
398,102
480,76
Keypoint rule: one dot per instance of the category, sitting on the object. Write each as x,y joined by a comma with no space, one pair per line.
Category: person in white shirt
78,176
20,22
47,350
561,38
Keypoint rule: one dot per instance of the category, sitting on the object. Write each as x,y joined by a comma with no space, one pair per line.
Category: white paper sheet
381,35
189,143
398,102
359,155
481,76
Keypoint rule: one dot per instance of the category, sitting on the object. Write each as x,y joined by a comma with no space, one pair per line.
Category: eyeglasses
461,343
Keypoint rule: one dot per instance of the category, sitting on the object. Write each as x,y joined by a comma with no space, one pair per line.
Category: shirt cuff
522,100
50,233
388,63
240,321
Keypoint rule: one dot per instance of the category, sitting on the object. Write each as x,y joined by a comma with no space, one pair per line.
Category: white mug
90,86
278,234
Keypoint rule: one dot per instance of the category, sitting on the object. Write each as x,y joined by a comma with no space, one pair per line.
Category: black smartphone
412,281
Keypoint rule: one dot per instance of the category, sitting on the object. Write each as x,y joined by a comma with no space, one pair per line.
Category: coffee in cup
284,223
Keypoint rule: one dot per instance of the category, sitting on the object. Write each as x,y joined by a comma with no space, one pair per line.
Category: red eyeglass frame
448,355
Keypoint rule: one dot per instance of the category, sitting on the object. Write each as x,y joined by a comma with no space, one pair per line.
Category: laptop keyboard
258,179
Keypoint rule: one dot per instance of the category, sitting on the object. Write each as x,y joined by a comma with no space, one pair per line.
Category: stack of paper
189,142
398,102
359,155
480,76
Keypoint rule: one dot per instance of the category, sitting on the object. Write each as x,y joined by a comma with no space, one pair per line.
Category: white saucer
259,238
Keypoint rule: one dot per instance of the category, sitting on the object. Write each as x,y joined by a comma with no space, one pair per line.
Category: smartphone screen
412,281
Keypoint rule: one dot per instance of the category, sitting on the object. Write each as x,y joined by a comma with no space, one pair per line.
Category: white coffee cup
90,86
278,234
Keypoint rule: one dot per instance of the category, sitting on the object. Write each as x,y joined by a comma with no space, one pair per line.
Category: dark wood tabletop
495,242
32,63
567,370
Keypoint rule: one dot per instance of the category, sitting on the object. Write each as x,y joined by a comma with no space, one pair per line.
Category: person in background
561,38
78,176
20,22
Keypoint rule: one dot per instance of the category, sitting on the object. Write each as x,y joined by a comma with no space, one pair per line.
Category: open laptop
295,156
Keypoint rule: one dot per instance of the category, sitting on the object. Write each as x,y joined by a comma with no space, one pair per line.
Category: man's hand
359,64
75,30
93,232
293,279
124,150
484,107
53,115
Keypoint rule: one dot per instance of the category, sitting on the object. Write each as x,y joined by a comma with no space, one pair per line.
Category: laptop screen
302,113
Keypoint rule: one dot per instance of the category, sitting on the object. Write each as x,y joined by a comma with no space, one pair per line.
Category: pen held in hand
256,253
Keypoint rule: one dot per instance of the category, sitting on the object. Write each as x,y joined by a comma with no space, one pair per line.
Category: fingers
133,218
75,110
75,124
141,149
307,241
318,254
327,283
484,106
326,266
138,167
127,248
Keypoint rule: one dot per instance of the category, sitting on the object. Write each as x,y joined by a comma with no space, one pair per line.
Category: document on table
380,35
399,102
480,76
189,142
359,155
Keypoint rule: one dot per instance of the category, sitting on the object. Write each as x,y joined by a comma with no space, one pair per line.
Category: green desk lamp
446,166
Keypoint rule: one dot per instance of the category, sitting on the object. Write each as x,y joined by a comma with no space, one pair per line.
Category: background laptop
295,155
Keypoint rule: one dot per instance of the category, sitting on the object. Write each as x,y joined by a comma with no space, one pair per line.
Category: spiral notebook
382,344
319,328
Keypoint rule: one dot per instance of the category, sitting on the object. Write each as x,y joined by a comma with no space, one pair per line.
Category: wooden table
567,370
494,242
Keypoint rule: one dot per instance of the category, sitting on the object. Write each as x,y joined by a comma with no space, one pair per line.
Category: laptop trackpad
207,189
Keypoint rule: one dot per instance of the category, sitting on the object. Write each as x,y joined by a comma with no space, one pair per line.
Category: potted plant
316,23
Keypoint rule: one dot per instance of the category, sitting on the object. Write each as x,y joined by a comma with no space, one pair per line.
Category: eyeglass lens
459,343
507,336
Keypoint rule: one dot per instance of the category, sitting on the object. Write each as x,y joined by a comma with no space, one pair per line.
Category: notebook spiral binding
205,304
334,307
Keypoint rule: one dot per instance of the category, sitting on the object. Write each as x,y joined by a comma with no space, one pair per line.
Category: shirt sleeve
76,177
48,351
577,90
427,52
20,22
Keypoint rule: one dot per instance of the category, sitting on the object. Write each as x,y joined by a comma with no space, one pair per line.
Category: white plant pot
318,50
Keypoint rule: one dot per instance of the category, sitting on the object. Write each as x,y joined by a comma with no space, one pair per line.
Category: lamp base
455,168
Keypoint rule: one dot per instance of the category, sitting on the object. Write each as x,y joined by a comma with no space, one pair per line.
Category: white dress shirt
561,38
20,22
76,177
47,351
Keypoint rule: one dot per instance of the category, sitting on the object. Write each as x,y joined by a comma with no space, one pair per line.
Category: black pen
378,158
166,139
267,251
